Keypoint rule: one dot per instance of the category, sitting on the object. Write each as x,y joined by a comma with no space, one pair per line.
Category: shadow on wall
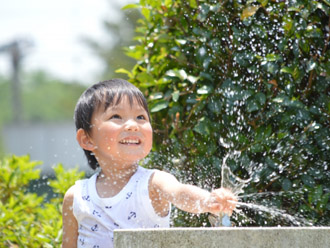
49,143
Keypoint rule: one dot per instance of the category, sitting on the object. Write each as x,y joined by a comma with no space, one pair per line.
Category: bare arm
70,225
165,188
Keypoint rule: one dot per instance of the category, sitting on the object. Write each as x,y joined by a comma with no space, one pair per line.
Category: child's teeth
130,141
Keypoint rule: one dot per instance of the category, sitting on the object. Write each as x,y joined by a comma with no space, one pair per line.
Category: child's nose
131,125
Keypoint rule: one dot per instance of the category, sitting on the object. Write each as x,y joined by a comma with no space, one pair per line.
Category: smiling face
122,134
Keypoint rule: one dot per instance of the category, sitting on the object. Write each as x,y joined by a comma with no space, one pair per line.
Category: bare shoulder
69,196
67,207
70,225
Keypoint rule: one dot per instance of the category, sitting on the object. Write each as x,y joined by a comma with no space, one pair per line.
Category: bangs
110,100
107,97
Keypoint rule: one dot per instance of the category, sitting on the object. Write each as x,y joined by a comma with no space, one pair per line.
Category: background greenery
247,76
28,219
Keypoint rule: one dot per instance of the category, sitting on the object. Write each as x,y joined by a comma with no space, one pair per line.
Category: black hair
104,94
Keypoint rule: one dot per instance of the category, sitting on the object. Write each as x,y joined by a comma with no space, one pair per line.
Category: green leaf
297,73
175,95
304,45
313,32
203,127
249,11
308,180
315,195
255,102
287,23
203,13
146,79
256,148
163,38
263,2
131,6
156,96
205,89
188,137
262,133
215,106
158,106
192,79
271,163
252,105
286,69
135,52
294,9
286,184
180,41
193,4
168,3
273,57
261,98
271,67
205,75
281,135
146,13
124,71
323,201
177,73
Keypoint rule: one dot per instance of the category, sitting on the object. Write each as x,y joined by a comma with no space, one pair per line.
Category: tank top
98,217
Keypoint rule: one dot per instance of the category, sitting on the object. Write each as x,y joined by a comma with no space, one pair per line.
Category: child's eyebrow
119,108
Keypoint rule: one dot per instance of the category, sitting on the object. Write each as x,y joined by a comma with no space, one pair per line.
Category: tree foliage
248,76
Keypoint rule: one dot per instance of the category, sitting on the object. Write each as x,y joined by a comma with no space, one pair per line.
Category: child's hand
221,200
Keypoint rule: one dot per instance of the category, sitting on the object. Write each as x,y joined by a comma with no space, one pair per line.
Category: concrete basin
232,237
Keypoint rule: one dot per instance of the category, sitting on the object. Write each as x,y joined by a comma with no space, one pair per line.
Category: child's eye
141,117
115,117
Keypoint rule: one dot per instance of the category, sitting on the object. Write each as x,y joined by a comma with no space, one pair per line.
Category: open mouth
130,142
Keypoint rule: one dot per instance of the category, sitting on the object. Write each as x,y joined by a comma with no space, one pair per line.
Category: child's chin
132,157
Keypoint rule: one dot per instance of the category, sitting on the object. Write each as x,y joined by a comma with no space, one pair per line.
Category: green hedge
247,76
26,219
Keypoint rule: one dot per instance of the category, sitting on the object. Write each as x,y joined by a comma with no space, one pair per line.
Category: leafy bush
248,76
26,219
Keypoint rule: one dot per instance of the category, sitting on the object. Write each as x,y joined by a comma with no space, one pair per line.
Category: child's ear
84,140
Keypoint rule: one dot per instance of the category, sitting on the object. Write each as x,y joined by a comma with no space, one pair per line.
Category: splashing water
229,180
232,182
237,185
276,213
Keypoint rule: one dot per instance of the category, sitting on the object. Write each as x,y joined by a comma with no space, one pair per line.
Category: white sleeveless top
130,208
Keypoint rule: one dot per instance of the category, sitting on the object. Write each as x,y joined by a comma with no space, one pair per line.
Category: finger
229,213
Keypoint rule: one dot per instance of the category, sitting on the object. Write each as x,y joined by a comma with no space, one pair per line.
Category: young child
113,128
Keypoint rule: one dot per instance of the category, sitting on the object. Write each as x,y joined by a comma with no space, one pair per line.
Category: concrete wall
51,143
309,237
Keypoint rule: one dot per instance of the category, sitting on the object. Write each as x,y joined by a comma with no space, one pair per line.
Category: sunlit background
50,51
238,91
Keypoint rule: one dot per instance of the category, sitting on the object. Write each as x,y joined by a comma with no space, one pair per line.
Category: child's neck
110,182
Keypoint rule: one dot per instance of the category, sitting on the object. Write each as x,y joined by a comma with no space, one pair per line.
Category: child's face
122,134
